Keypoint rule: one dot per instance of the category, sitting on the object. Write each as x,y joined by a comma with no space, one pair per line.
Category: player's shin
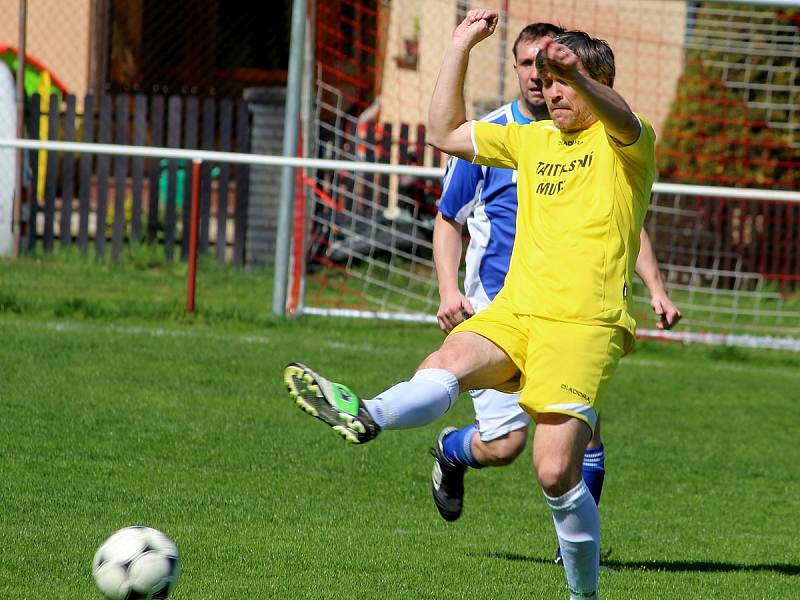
415,403
577,523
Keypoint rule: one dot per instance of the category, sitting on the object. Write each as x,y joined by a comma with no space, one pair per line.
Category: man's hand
668,313
453,308
476,26
557,61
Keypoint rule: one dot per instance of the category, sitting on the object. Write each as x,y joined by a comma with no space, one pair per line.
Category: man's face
530,86
568,111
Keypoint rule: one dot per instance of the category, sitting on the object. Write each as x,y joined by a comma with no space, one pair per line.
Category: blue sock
594,471
457,446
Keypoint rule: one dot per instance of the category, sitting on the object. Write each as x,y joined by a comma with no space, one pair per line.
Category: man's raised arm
448,128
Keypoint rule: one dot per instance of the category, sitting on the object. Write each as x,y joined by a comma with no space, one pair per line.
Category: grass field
119,409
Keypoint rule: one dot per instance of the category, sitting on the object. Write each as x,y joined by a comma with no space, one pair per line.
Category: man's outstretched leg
414,403
465,360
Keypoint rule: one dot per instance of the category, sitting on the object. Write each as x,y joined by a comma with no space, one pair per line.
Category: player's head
568,111
534,32
595,54
525,48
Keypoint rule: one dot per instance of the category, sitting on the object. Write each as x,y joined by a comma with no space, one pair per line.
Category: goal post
715,78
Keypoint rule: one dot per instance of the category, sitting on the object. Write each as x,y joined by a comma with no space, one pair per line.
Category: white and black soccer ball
136,563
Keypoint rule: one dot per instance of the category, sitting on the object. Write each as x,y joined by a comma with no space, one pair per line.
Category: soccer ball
136,562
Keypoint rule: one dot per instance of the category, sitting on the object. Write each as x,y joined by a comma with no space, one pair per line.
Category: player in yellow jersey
557,329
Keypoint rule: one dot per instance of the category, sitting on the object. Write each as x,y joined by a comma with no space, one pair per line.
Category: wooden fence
93,200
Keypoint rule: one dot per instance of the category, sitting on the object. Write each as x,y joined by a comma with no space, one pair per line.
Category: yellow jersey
582,200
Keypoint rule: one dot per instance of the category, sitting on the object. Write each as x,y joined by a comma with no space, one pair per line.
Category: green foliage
717,132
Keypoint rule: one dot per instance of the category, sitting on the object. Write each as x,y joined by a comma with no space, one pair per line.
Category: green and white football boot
332,403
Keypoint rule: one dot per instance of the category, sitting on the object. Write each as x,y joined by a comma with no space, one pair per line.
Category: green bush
716,132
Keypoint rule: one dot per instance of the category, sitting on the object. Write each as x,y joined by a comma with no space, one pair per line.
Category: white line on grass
724,367
67,327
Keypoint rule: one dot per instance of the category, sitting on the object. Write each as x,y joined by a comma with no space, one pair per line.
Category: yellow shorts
563,367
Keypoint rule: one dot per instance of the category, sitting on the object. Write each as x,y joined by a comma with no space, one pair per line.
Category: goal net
717,79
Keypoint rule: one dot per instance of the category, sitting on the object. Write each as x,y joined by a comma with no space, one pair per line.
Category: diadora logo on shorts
578,393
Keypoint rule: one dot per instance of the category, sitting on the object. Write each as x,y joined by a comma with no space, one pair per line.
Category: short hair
536,31
595,55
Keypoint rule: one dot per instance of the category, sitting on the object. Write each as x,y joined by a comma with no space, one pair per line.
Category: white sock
577,524
429,394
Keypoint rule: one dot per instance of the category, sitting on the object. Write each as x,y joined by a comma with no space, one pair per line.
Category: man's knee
435,360
556,474
559,445
504,450
454,354
476,361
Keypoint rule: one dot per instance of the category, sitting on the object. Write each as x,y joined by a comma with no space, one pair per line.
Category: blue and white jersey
485,198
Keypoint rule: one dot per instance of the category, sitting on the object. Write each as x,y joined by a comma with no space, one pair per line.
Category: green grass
134,412
142,288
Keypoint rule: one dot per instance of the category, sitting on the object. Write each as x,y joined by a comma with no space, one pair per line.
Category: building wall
58,36
646,36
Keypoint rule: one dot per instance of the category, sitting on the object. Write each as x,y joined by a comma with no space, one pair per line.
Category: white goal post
715,78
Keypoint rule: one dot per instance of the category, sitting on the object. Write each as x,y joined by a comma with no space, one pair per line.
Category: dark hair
595,55
536,31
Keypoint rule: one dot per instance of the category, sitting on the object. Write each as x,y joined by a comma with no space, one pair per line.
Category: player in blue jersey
485,200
